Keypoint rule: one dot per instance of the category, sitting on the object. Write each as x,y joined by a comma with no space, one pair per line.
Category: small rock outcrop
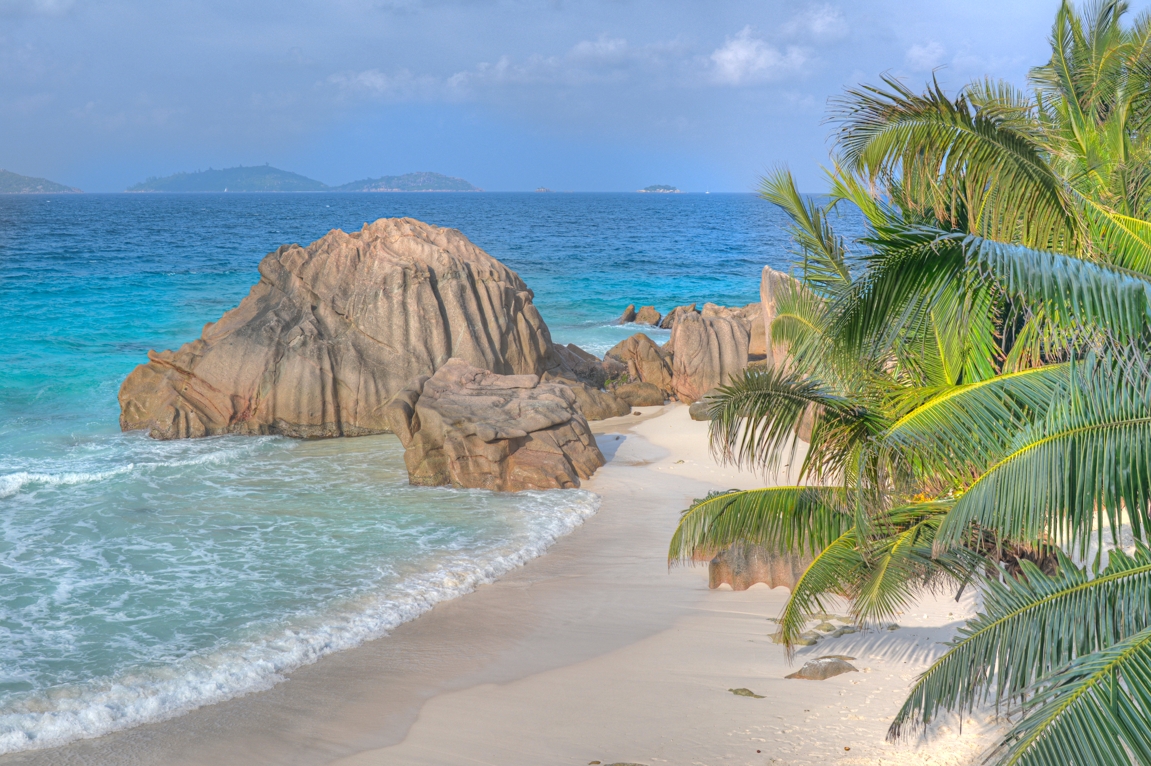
706,352
471,428
645,363
742,565
648,315
628,314
640,394
333,330
823,669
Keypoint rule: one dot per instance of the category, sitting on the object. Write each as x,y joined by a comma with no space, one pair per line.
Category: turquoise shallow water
140,579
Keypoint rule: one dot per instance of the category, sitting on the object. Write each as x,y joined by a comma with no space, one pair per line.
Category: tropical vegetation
975,370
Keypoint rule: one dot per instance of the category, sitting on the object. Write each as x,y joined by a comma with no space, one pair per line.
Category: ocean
141,579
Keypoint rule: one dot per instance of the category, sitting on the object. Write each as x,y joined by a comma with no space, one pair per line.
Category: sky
573,95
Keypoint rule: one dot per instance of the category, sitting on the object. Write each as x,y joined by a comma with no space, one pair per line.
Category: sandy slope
594,652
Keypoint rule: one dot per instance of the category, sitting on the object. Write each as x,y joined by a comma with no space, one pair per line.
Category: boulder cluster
409,328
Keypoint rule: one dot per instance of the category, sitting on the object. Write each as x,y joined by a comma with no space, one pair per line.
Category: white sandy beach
593,652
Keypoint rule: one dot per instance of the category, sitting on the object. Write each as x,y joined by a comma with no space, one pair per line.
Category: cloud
374,83
744,58
34,7
823,22
924,57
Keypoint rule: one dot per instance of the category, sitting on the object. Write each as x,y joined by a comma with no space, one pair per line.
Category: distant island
14,183
265,178
660,189
409,182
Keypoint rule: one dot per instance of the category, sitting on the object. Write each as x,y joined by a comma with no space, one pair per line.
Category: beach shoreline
594,651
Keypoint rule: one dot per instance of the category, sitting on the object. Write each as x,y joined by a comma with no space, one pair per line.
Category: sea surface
141,579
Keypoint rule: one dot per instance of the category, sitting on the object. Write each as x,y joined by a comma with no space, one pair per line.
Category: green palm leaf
1074,292
1085,467
1031,627
1094,712
966,426
793,519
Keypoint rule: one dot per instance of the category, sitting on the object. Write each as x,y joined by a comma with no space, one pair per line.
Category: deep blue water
139,579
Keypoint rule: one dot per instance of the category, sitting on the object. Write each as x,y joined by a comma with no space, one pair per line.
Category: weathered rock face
706,352
648,315
471,428
751,315
742,565
332,330
771,283
628,314
669,320
645,363
592,403
582,366
640,394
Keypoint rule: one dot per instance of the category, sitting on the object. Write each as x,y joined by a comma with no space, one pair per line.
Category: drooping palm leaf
1029,628
1074,292
794,519
966,426
1094,712
995,164
1085,467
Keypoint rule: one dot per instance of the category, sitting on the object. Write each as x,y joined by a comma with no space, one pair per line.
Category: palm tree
976,366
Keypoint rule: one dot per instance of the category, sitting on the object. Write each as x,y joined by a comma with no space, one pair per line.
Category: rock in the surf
706,352
332,330
640,394
471,428
628,314
648,315
751,315
645,362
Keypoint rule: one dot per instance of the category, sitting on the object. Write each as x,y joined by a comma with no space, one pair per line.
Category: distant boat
543,189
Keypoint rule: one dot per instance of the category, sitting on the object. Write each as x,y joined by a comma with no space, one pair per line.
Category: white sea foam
155,694
12,483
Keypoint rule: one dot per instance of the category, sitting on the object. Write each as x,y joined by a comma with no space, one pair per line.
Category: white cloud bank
744,58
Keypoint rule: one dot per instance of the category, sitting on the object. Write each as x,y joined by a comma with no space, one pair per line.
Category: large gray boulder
706,352
333,330
671,317
471,428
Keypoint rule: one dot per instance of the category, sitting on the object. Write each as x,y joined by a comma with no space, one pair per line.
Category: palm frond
789,519
821,250
1074,292
966,426
1095,711
1029,628
1085,467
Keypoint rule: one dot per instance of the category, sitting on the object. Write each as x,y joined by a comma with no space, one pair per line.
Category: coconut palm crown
975,370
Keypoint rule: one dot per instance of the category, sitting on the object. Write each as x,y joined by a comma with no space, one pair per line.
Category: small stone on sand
741,692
